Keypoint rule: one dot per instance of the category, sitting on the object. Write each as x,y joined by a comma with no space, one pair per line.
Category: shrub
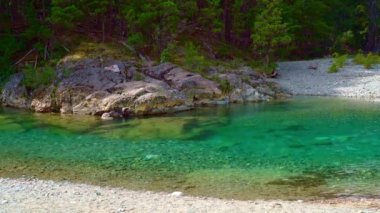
9,45
266,68
345,42
225,86
223,52
367,60
38,77
338,62
6,69
138,76
194,61
236,63
168,53
136,40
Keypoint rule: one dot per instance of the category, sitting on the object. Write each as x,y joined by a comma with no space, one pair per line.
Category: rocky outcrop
190,84
119,89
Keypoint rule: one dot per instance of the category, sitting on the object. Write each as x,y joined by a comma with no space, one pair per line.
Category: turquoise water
306,148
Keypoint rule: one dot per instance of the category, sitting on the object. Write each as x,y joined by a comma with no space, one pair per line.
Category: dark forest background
260,30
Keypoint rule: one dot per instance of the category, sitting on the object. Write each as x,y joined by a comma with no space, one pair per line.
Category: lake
303,148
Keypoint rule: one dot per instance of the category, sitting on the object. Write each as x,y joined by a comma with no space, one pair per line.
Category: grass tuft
368,61
338,62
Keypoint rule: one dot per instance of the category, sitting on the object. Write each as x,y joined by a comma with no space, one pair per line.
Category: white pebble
176,194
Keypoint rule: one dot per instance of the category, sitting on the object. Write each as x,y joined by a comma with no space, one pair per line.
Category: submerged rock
116,89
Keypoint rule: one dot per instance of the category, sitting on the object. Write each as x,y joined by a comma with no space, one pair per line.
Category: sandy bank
22,195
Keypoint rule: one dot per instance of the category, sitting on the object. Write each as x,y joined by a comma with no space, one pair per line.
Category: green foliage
136,40
6,69
338,62
266,68
65,13
225,86
274,28
223,52
168,53
209,17
152,20
38,31
194,61
9,45
236,63
138,76
38,77
367,60
243,16
270,32
308,23
345,42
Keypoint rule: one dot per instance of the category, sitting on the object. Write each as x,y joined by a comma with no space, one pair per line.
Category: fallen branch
65,48
143,58
21,59
36,62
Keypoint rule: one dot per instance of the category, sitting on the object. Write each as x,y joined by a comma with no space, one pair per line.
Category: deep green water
304,148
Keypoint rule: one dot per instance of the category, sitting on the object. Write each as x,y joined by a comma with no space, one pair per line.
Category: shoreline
35,195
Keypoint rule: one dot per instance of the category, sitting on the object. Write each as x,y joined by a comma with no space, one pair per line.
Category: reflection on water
300,149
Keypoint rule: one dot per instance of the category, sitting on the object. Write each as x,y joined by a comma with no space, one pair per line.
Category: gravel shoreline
31,195
311,78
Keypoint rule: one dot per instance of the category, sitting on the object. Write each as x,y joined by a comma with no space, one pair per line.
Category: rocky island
131,89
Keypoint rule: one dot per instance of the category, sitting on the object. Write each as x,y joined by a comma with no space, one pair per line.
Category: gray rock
233,79
237,96
159,71
14,94
44,100
90,89
193,85
106,116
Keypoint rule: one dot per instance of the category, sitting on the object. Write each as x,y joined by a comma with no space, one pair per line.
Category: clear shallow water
306,148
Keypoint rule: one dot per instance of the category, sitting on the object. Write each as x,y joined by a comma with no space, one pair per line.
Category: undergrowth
368,61
338,62
37,77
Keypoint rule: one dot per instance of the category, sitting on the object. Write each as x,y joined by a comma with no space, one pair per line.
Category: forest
253,30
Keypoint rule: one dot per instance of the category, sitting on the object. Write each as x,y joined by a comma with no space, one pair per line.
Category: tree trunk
267,60
372,41
103,27
227,19
201,4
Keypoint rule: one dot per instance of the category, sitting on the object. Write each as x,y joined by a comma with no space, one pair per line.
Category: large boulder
14,94
193,85
133,98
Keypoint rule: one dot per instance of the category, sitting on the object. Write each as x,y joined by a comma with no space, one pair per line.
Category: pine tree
65,13
151,21
270,32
